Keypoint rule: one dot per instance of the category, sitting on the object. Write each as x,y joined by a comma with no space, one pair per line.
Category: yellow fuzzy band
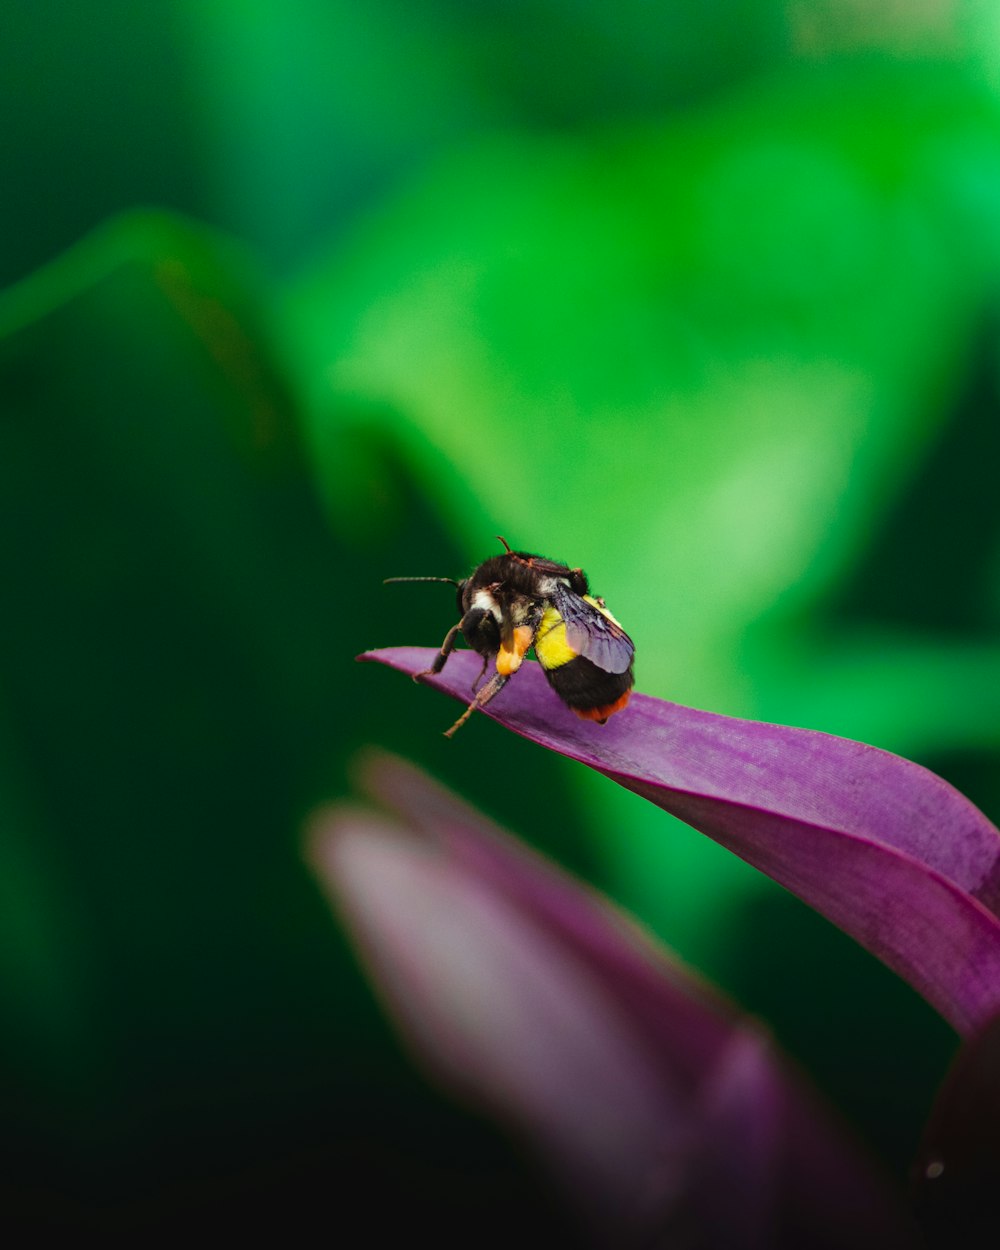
551,646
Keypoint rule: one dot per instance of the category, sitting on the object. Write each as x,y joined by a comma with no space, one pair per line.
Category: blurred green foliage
705,300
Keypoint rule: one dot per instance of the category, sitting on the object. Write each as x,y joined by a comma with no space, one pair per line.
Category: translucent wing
593,633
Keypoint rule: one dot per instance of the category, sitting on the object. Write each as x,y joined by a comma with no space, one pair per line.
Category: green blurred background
298,296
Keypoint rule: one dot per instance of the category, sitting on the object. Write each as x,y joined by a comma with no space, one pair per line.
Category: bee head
481,631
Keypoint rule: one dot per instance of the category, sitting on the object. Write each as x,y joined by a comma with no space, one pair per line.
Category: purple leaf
957,1172
885,849
660,1111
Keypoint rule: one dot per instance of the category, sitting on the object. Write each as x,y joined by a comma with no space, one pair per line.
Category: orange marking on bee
509,661
601,714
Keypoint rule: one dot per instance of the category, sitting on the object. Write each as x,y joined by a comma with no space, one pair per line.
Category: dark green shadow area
871,1044
187,1043
100,114
930,565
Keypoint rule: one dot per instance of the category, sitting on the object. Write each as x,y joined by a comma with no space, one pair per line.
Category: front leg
482,671
441,659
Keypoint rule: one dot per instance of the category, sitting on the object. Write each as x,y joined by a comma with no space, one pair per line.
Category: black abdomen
589,690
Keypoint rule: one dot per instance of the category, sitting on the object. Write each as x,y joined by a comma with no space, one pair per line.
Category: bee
516,601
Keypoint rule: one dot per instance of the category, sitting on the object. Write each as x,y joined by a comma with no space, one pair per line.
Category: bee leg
441,659
492,687
479,676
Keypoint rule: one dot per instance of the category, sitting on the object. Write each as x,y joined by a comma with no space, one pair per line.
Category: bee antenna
500,538
452,580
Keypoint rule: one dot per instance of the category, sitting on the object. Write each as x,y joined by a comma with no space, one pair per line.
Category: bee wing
592,633
549,567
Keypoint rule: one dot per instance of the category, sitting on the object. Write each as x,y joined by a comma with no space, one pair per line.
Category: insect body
517,601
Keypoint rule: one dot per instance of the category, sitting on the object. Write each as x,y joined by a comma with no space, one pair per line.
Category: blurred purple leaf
957,1172
666,1117
885,849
